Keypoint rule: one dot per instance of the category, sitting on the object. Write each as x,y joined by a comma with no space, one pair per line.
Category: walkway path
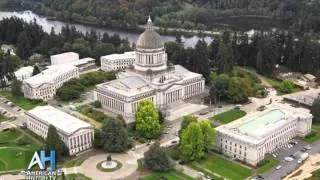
262,79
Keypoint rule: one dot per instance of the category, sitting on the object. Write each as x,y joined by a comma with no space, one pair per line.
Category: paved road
288,167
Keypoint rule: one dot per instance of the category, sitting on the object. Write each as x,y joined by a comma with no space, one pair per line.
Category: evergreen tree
147,120
157,159
24,45
114,137
36,70
315,110
16,88
53,142
201,64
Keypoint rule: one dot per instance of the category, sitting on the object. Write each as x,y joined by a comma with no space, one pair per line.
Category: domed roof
149,39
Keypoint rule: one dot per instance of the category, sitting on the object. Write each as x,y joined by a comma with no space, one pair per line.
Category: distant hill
298,15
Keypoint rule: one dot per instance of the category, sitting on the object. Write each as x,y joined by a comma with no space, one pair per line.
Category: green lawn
170,175
270,163
215,164
315,175
77,176
314,135
2,118
16,150
22,102
229,116
75,162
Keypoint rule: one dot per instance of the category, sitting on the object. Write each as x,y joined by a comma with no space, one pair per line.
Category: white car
307,147
299,161
278,167
274,155
289,159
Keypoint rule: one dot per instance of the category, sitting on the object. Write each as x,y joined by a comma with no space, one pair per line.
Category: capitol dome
149,39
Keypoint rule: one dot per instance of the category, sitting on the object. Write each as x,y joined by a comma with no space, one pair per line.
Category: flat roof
48,75
59,119
125,55
257,125
24,70
254,127
304,97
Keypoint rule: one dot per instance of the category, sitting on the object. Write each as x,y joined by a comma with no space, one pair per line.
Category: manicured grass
314,135
99,166
75,162
270,163
215,164
315,175
22,102
229,116
77,176
15,150
170,175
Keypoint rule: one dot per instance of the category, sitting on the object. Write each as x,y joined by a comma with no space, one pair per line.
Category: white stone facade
44,85
149,77
250,138
116,62
77,135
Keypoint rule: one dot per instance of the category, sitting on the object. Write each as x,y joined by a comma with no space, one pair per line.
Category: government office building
250,138
45,84
77,135
149,77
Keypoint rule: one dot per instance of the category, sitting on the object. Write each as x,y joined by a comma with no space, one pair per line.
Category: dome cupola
149,39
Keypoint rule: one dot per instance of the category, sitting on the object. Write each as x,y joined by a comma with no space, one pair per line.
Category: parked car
299,161
307,147
278,167
289,159
174,142
203,113
274,155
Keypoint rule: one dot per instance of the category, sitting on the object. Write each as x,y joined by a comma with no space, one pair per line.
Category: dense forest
216,61
297,15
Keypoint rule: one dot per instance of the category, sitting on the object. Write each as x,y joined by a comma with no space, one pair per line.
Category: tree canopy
147,120
157,158
114,137
315,110
53,142
192,142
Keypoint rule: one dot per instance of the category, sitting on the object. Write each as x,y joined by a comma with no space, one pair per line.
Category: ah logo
41,161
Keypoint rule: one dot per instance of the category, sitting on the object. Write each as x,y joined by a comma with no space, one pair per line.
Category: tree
114,137
192,143
208,133
201,59
286,87
36,70
53,142
315,110
186,121
16,88
147,120
24,45
157,159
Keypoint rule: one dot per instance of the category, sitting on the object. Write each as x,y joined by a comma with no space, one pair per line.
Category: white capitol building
147,76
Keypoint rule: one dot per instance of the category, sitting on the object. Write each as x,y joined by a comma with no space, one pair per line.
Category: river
57,25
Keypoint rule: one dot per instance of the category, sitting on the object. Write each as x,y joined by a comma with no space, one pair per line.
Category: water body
132,37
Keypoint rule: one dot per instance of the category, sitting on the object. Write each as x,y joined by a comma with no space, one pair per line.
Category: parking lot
288,167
